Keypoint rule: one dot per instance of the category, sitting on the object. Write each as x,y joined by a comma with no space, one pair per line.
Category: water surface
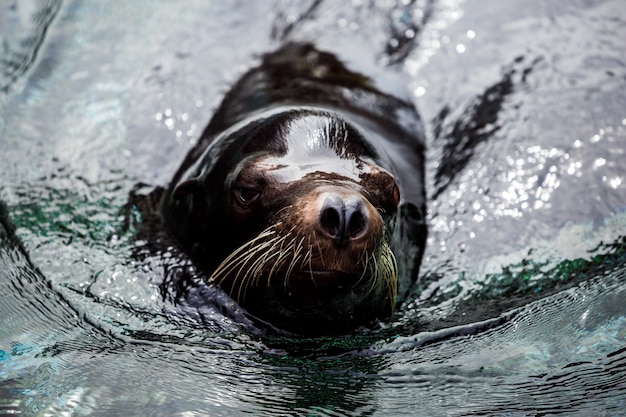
519,309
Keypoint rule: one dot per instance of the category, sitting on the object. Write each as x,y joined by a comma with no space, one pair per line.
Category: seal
304,197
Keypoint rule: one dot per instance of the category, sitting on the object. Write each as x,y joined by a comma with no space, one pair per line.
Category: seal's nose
343,219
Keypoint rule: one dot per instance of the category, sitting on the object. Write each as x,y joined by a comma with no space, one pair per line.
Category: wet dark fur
293,76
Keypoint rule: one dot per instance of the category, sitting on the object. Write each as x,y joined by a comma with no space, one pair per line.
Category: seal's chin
313,288
319,302
324,279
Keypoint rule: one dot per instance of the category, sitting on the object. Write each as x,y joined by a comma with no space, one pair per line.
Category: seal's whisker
278,214
242,250
366,269
283,255
373,264
382,271
251,272
257,263
296,258
305,254
244,280
283,252
308,260
240,261
258,266
240,286
270,252
243,286
319,249
289,272
390,275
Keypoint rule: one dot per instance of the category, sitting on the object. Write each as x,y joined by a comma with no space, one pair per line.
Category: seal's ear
189,194
188,188
185,213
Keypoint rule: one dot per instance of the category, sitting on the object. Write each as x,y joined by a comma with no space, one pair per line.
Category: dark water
521,304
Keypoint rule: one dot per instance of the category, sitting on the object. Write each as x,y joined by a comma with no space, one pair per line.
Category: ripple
24,33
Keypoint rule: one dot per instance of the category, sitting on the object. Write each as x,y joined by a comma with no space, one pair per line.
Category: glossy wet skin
317,162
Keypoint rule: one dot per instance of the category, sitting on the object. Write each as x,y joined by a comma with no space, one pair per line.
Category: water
519,309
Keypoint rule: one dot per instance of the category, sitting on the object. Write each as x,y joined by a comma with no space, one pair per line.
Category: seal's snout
343,218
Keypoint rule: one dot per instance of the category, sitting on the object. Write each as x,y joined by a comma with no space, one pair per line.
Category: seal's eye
395,192
247,195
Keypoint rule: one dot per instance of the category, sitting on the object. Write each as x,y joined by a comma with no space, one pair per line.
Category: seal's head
292,215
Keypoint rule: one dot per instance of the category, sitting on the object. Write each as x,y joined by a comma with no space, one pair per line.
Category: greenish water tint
519,307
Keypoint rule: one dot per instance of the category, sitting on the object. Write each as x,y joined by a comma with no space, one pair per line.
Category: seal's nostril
356,221
342,220
331,220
